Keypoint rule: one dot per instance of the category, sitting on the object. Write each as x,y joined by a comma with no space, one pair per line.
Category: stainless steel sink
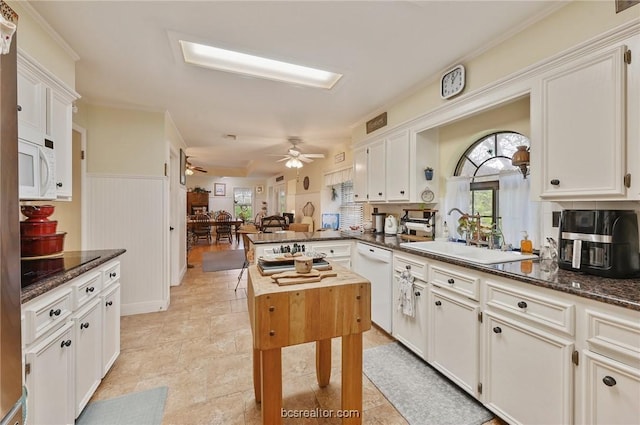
468,253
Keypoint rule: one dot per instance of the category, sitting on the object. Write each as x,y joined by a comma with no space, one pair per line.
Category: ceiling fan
295,158
191,168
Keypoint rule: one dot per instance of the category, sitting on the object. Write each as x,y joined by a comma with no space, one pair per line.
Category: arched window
483,161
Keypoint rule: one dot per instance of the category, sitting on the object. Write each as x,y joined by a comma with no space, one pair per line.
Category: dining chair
299,227
273,223
201,228
223,230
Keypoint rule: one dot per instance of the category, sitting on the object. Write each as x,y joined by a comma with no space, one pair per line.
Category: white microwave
36,170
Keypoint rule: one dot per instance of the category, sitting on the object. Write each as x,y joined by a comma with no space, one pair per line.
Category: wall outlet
555,218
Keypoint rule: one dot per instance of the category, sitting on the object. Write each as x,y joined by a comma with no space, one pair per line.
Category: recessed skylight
256,66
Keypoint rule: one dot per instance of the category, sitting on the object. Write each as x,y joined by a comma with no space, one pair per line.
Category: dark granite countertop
621,292
43,275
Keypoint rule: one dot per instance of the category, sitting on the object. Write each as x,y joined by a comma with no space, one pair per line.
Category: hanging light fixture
188,172
293,163
521,159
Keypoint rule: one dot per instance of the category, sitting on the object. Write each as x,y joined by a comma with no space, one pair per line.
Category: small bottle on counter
445,231
526,247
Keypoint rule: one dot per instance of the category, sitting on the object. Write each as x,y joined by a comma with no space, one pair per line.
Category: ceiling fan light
188,172
293,163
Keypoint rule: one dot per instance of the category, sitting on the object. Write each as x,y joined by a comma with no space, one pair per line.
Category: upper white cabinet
45,112
582,107
398,167
369,175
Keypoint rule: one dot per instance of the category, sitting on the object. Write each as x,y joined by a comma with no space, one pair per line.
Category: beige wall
123,141
570,25
37,43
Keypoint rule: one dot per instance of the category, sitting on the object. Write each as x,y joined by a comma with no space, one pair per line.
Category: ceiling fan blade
304,159
283,159
314,155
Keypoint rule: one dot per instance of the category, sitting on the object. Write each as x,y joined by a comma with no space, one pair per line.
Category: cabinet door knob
59,184
379,193
90,289
109,303
609,381
451,281
408,267
417,294
402,192
522,304
112,275
84,325
497,330
66,343
19,108
555,182
438,303
55,312
355,196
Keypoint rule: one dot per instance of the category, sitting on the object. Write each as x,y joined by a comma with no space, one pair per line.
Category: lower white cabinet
69,349
338,252
612,391
49,370
454,344
528,373
87,327
411,331
110,327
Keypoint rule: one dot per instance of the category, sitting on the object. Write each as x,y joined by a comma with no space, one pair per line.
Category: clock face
452,82
427,195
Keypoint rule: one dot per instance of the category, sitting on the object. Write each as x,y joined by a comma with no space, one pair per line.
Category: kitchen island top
621,292
42,275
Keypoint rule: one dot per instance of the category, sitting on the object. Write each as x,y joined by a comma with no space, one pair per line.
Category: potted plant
428,173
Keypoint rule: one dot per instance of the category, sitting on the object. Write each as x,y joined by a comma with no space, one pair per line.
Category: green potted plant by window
428,173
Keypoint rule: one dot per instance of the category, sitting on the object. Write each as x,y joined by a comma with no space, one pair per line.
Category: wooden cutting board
293,278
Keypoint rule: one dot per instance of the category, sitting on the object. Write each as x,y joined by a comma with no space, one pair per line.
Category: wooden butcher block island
337,306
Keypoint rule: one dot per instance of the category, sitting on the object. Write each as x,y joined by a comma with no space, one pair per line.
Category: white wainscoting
130,212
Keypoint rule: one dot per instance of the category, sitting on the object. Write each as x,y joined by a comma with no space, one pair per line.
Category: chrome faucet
457,209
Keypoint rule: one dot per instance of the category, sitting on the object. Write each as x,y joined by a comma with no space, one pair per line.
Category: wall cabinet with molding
370,172
45,107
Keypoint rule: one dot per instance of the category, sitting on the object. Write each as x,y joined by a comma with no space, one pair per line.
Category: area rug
141,408
421,394
223,260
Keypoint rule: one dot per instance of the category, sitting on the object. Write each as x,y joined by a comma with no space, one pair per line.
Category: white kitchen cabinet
397,165
338,252
45,111
370,172
49,370
111,327
32,99
60,131
528,373
87,326
454,343
582,128
411,331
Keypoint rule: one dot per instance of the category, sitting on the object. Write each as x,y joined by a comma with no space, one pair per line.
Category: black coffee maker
600,242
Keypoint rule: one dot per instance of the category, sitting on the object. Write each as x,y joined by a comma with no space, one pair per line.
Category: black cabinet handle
66,343
438,303
379,193
609,381
112,275
451,281
19,108
90,289
402,192
59,184
555,182
355,196
84,325
417,294
522,304
331,251
109,303
408,267
497,330
55,312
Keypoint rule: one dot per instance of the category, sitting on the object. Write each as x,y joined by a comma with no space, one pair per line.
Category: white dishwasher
376,265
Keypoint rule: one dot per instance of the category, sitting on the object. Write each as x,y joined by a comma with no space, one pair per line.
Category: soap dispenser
445,231
526,247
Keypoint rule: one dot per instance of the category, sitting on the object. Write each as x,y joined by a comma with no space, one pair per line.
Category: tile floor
201,349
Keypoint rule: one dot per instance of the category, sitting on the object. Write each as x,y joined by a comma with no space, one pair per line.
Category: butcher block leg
352,378
257,374
323,362
271,386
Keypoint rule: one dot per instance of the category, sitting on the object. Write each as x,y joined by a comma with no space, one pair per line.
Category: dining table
235,223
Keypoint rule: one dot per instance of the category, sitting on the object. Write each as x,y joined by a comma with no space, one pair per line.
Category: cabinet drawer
110,274
417,268
461,283
333,250
46,314
545,311
614,337
86,288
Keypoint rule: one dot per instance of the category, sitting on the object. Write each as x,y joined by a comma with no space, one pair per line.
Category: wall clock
305,183
452,82
427,195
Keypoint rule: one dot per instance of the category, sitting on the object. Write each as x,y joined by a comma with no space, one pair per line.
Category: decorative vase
428,174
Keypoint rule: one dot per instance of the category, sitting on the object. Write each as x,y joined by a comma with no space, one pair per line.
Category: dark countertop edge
566,286
47,284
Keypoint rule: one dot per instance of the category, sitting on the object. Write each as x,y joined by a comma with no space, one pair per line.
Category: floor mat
421,394
141,408
223,260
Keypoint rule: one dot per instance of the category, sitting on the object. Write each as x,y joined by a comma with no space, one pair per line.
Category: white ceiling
129,58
